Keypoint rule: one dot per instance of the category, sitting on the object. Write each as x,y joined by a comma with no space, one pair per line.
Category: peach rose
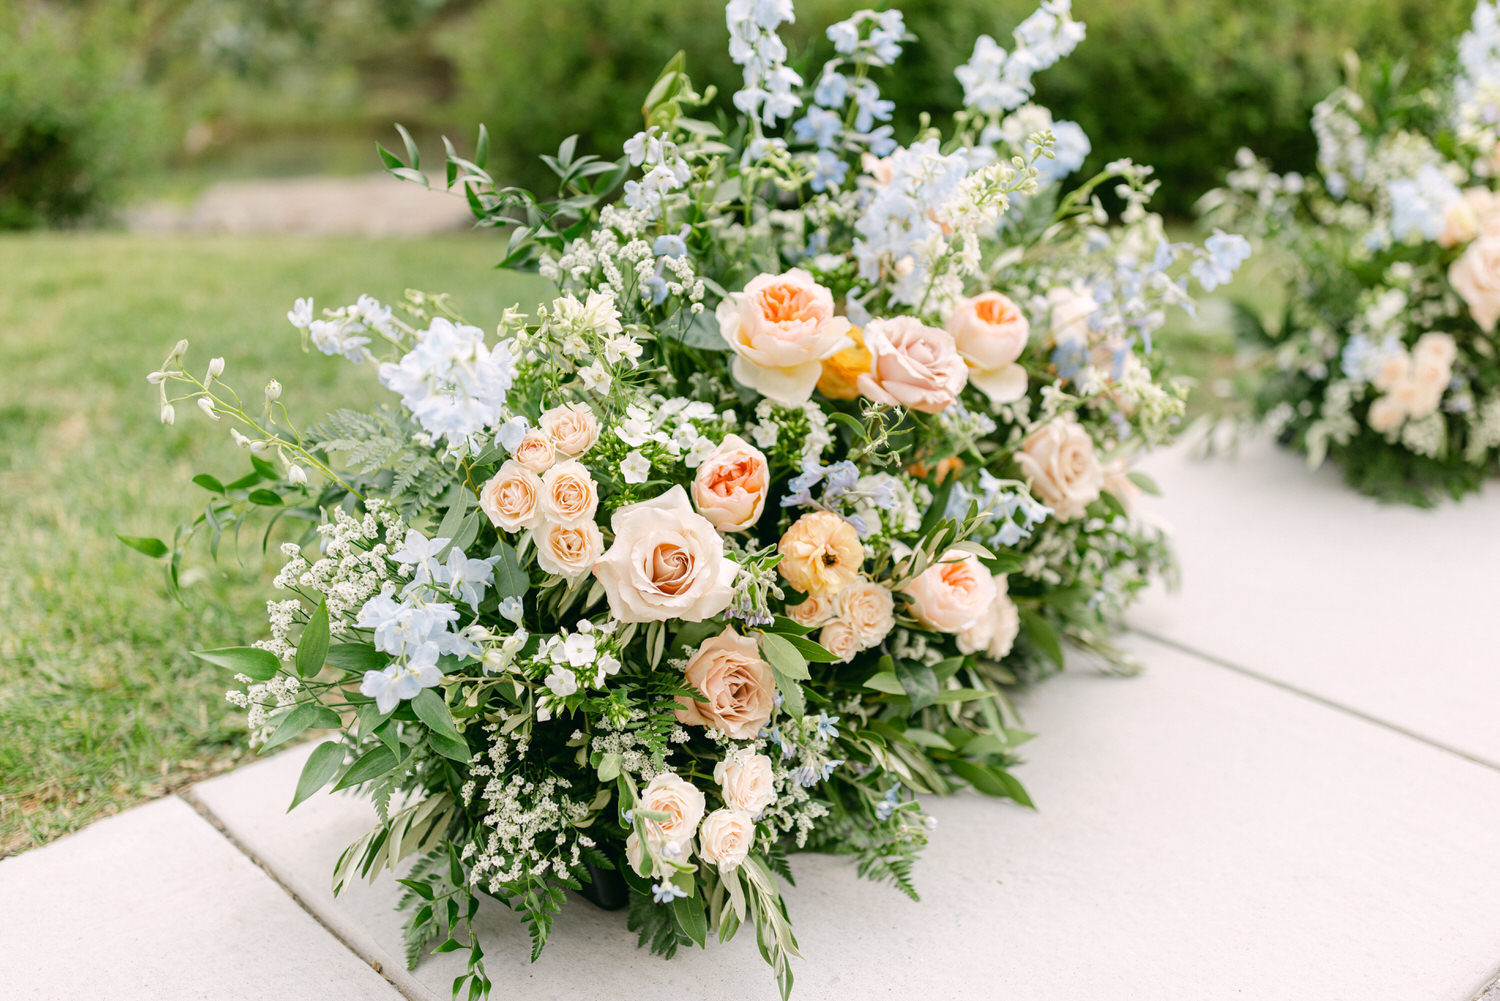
990,333
569,496
666,562
840,371
1059,464
780,329
1475,276
868,608
816,610
726,838
949,595
535,451
568,550
1437,346
731,485
838,638
1460,223
911,365
994,632
510,497
746,782
571,428
820,554
1385,415
1391,370
680,800
739,686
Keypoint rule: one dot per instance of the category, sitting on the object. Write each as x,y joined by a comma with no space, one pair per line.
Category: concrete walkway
1297,800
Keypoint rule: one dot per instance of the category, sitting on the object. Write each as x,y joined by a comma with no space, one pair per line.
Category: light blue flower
1225,252
828,726
665,893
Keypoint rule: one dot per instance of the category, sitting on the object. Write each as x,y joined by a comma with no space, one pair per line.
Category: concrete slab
1200,835
155,904
1392,611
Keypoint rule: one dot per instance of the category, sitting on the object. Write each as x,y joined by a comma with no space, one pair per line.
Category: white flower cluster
803,430
582,658
342,331
453,385
665,171
995,81
767,95
261,699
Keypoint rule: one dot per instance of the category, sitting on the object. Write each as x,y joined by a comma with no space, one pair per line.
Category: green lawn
100,705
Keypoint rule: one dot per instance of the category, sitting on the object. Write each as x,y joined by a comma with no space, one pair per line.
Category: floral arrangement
1386,357
734,547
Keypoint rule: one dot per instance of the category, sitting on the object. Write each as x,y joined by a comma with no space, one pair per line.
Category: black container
605,888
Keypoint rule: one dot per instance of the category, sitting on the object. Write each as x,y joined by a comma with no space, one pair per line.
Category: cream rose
730,486
510,497
949,595
816,610
780,329
1069,315
571,428
868,608
990,333
680,800
568,550
726,838
839,639
1475,276
995,631
1477,213
535,452
569,496
1390,370
911,365
1438,347
820,554
1059,464
739,686
666,562
746,782
1385,415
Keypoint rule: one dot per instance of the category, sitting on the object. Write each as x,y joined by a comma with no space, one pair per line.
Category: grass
100,705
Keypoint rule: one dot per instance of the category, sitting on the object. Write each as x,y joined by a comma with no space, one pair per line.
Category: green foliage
74,128
371,442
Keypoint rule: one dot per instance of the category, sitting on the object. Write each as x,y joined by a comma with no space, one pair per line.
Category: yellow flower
840,371
820,554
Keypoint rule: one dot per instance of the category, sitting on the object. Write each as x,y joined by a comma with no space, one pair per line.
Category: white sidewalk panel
156,905
1200,835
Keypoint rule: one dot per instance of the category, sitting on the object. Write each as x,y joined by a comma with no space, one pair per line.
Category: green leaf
209,483
609,767
885,681
312,648
154,548
389,159
991,781
356,657
304,717
690,918
785,658
1145,482
412,156
321,766
265,498
451,747
1043,636
918,682
811,649
510,580
254,663
372,764
430,709
482,148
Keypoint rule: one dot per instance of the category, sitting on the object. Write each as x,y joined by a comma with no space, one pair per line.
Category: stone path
1297,800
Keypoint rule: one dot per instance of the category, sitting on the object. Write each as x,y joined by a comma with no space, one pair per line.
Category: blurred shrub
72,129
1180,84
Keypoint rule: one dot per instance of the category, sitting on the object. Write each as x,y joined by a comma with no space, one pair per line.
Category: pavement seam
1322,700
1490,990
206,812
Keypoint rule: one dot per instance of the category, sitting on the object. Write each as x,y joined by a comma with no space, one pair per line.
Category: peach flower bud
746,781
568,550
667,562
990,333
731,485
535,451
780,329
820,554
838,639
569,495
869,609
571,428
726,838
949,595
1475,276
1060,467
509,498
739,686
911,365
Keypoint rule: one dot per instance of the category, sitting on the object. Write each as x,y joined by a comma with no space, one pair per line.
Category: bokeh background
147,149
